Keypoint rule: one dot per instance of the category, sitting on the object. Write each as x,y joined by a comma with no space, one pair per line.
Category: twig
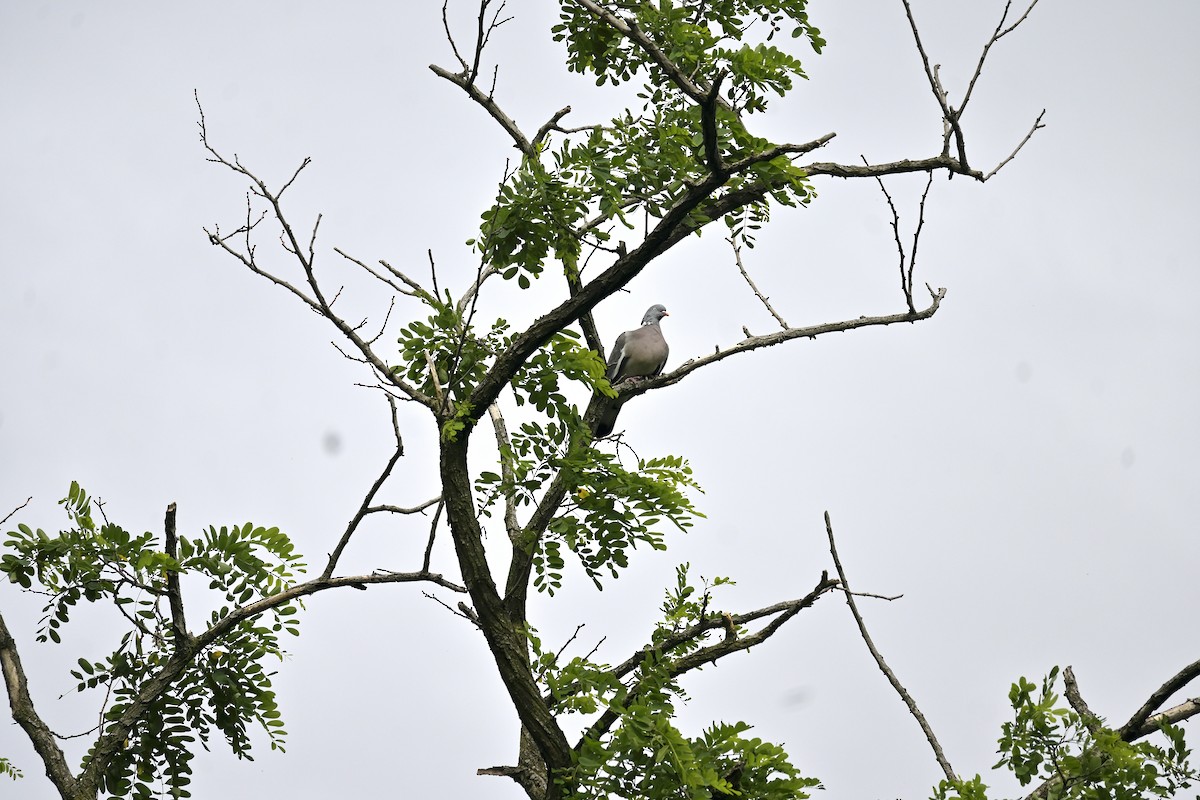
365,507
463,609
567,643
887,671
1037,125
8,516
997,35
437,515
737,256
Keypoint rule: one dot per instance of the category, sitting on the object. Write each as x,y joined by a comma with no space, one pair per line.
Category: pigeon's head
655,313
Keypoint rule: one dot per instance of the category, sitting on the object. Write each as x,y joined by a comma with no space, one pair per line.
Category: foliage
1080,757
224,682
646,160
7,768
644,754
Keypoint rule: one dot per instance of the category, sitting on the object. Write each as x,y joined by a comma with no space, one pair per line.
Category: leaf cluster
644,754
223,684
645,161
1079,756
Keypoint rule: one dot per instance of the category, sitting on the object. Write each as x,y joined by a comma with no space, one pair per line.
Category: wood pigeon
639,353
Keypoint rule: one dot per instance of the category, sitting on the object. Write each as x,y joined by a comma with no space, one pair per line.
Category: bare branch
550,125
997,35
887,671
511,525
365,507
708,125
912,261
737,256
317,301
1133,728
410,289
25,715
9,515
437,515
463,609
1075,698
1037,125
1172,716
485,100
417,509
771,339
174,595
935,84
450,38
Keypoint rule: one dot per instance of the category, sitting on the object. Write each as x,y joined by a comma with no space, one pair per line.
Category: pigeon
639,353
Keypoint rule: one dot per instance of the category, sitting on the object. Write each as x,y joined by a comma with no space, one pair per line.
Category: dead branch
887,671
1141,718
9,515
317,301
489,104
737,257
1037,125
365,507
778,337
437,515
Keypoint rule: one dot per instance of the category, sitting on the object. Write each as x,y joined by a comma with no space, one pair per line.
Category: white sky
1022,467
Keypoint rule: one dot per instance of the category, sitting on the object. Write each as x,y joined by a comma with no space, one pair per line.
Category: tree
685,162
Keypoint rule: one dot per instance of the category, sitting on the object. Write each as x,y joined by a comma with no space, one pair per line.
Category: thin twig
1037,125
737,256
365,507
887,671
8,516
437,515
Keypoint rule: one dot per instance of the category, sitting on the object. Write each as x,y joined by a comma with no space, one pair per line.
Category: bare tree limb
737,257
884,668
1134,727
1075,698
997,35
10,514
437,515
317,301
511,526
485,100
25,715
365,507
174,595
778,337
1037,125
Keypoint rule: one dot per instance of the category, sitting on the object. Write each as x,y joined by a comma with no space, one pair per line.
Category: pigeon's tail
602,412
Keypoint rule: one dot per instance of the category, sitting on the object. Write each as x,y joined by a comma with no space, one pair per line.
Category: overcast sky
1022,467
